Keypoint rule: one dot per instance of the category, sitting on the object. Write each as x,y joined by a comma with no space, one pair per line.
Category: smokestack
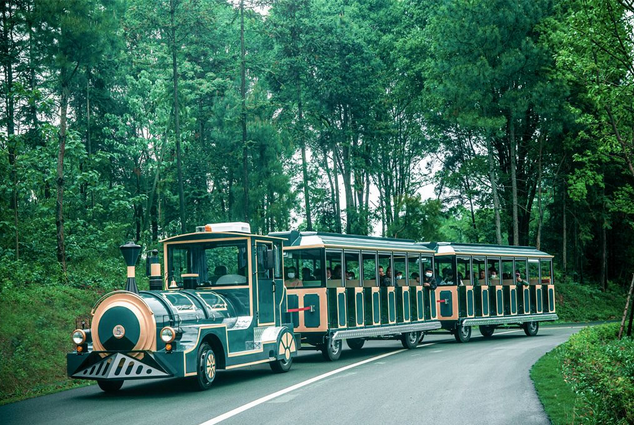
156,282
131,253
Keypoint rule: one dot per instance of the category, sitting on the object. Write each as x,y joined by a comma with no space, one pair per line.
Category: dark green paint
446,307
311,319
359,298
341,307
470,302
119,316
376,305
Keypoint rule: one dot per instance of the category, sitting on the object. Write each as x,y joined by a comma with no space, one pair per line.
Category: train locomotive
227,299
220,305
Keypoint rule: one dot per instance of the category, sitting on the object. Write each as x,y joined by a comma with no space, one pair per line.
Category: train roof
295,239
450,248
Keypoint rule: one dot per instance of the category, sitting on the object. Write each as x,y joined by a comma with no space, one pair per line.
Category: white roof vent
226,227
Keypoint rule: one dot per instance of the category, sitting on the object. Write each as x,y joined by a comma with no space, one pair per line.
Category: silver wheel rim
413,337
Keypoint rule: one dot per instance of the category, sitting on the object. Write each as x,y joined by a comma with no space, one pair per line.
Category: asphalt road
440,382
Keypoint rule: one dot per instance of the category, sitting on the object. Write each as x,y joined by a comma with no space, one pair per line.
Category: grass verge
558,398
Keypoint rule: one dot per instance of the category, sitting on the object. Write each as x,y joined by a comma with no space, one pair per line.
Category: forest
141,119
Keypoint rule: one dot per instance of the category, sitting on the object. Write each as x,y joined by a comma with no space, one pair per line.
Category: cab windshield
208,263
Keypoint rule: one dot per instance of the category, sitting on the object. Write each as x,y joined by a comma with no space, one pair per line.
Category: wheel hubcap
210,366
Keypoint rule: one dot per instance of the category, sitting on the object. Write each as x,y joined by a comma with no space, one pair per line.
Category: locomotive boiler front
123,322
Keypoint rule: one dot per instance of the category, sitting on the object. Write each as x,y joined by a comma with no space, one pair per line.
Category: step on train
227,299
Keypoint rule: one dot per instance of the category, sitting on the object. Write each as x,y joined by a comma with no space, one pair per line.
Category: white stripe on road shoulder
287,390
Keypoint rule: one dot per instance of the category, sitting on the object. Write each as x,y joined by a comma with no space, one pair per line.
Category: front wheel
462,333
531,328
331,350
282,365
410,340
205,367
487,331
110,386
355,343
285,348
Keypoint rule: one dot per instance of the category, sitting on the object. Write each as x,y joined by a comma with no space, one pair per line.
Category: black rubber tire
281,366
331,350
110,386
462,333
487,330
410,340
422,337
205,366
355,343
531,328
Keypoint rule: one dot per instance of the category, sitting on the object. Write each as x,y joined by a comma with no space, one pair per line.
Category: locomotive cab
220,307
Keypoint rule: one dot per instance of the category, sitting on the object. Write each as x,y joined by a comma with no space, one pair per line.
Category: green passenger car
220,304
492,285
354,288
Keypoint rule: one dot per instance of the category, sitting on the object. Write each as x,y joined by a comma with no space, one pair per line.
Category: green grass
559,399
35,336
586,303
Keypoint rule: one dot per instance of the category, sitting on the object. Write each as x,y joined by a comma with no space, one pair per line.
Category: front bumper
114,366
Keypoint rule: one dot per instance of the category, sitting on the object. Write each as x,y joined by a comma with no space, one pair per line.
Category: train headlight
168,334
79,336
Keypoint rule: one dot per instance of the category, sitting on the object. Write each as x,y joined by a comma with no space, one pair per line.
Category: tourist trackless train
229,299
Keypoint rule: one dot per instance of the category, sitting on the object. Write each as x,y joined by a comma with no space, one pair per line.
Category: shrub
601,369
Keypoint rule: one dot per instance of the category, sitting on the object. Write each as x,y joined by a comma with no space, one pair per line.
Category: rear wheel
205,366
331,350
410,340
487,331
531,328
355,343
110,386
422,337
462,333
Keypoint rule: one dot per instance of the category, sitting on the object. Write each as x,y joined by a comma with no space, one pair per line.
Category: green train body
227,299
221,304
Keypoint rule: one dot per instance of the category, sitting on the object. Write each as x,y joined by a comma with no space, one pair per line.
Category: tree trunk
564,254
538,242
300,116
494,190
177,131
8,53
604,258
335,173
516,230
243,117
59,210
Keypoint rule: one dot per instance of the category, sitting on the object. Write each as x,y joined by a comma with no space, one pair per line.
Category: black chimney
131,253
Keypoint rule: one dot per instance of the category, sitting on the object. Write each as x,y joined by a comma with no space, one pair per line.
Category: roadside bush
601,369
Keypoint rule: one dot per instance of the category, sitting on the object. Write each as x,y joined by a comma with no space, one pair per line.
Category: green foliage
600,368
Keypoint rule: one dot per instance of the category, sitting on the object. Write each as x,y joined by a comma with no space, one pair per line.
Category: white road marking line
279,393
509,332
